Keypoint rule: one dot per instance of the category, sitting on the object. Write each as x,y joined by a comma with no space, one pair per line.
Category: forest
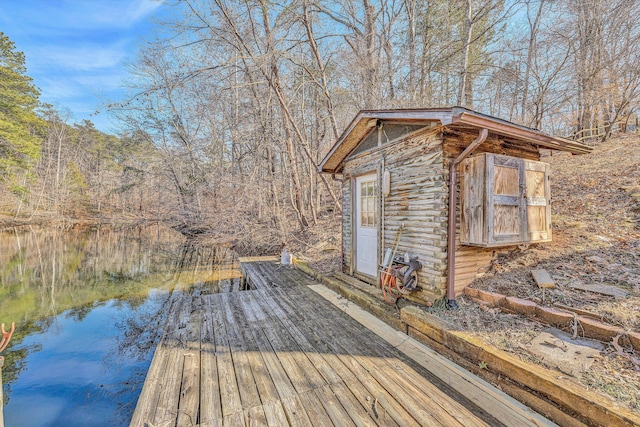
232,104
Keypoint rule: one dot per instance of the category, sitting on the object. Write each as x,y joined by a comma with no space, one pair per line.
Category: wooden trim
365,120
493,205
522,208
489,203
352,267
511,129
354,219
380,222
365,278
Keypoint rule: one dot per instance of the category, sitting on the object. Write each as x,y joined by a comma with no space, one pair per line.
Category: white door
366,225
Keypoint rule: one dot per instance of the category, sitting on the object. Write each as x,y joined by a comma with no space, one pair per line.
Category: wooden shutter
504,201
537,202
504,189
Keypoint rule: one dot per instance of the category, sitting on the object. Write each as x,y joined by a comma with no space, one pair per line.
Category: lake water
88,308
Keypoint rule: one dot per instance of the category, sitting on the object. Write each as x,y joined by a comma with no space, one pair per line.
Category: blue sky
76,50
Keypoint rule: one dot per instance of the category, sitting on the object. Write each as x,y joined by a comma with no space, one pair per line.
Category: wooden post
1,394
4,342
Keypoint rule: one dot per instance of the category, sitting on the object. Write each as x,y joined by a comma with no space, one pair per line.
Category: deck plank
379,410
296,414
150,394
169,399
266,388
210,403
244,376
360,411
324,369
315,410
190,387
233,420
339,416
274,412
229,392
288,352
277,372
303,375
255,417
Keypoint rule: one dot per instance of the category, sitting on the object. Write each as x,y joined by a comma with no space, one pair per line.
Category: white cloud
79,58
115,14
142,9
58,90
66,17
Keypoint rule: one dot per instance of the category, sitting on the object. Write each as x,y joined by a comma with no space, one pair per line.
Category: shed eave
456,117
513,130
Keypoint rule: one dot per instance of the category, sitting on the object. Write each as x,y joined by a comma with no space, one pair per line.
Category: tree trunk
371,69
321,68
530,56
410,6
465,91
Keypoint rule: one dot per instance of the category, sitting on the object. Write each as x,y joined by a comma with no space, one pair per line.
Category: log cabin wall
417,199
347,217
419,169
472,261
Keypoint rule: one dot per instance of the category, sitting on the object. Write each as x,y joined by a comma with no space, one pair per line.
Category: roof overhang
454,118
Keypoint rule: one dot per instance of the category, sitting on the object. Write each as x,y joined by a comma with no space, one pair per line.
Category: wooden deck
291,352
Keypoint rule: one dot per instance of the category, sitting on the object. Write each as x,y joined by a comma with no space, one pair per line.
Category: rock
570,356
600,288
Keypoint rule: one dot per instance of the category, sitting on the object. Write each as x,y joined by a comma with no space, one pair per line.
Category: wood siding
472,262
417,200
347,217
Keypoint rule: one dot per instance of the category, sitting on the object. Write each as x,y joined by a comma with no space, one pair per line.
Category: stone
555,348
600,288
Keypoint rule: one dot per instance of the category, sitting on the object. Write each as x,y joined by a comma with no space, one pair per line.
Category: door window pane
367,204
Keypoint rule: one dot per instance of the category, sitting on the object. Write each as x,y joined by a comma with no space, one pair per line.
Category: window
367,204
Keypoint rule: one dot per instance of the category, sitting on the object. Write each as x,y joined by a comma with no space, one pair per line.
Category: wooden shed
456,181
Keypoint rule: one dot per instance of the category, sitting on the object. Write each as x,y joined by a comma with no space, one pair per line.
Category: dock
289,352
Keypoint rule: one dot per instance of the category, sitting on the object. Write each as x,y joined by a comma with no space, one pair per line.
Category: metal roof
454,118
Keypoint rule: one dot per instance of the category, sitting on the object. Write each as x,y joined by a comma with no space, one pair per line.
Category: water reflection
88,310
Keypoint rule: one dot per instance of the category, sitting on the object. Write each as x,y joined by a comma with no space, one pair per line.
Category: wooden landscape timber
504,191
547,391
560,316
290,352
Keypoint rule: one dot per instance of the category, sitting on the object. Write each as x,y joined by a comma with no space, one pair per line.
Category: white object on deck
285,258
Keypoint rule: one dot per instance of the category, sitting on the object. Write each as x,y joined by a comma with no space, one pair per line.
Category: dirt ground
596,240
